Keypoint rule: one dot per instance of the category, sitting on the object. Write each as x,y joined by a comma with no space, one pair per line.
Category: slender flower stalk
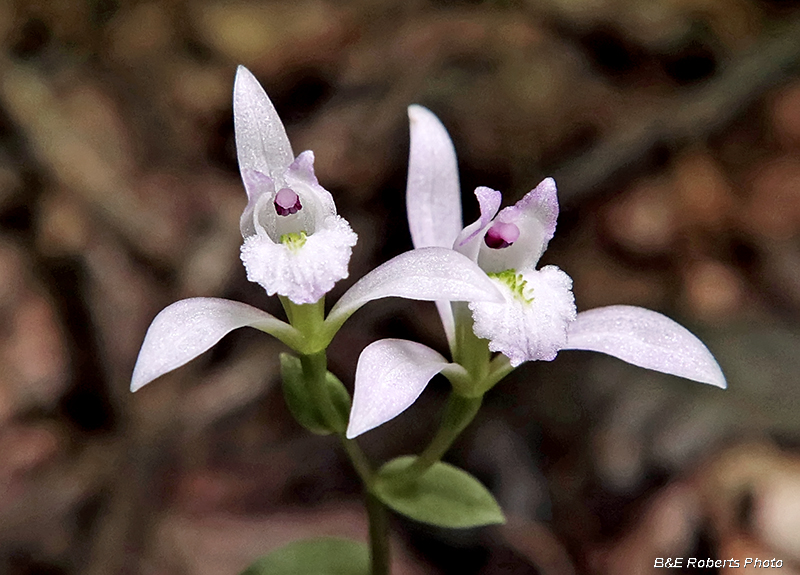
380,553
458,414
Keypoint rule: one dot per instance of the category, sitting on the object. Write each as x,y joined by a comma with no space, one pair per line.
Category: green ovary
515,283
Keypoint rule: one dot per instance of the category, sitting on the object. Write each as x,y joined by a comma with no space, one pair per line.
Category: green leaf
444,495
301,404
323,556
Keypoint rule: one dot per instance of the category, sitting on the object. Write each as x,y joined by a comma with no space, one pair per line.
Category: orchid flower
536,318
294,243
296,246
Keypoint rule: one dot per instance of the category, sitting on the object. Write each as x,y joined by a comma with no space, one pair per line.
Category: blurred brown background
673,130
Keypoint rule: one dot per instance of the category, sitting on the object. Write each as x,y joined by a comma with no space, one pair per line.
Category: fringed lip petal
261,141
390,376
531,323
646,339
429,274
433,196
189,327
303,274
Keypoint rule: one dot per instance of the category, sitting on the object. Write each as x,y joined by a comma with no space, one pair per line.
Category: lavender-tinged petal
535,216
541,203
390,376
303,167
261,142
431,274
189,327
470,239
301,178
433,196
647,339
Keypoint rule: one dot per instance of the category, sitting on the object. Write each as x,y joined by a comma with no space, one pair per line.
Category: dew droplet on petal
501,235
287,202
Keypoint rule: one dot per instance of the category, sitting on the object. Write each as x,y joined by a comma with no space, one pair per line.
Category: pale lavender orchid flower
295,245
537,317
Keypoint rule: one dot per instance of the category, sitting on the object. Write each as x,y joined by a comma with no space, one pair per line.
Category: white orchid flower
537,317
295,245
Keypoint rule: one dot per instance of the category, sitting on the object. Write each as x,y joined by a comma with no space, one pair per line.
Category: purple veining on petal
287,202
501,235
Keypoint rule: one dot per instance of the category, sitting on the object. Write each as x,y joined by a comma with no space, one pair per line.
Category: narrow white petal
531,324
261,142
189,327
647,339
390,376
302,273
431,274
433,196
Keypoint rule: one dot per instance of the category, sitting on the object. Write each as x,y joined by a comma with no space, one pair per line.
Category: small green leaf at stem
301,404
444,495
323,556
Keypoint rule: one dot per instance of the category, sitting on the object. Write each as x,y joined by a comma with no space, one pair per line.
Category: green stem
288,307
376,511
458,413
309,319
358,460
315,368
499,367
472,352
378,535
